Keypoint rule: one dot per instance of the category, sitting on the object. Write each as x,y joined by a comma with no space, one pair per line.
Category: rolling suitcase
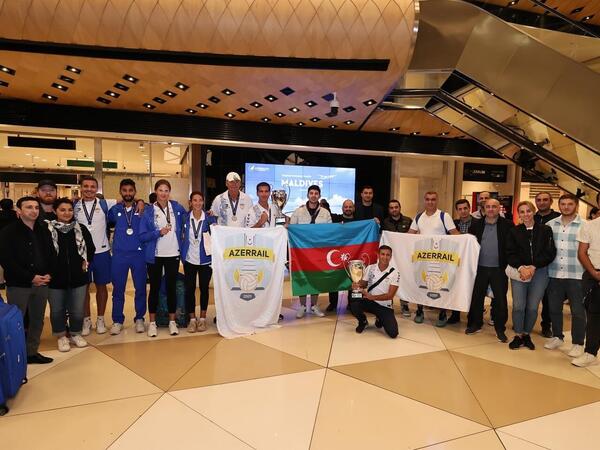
13,353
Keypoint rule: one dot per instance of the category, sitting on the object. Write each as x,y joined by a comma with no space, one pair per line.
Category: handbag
513,273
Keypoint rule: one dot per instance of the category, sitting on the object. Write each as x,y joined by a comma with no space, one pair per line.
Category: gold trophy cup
279,199
355,269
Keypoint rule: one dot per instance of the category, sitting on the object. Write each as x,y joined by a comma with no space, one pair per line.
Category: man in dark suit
491,233
365,208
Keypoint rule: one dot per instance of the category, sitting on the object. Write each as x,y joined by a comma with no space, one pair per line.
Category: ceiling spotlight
586,18
300,124
576,10
279,114
229,115
181,86
66,79
103,100
73,69
287,91
130,78
214,99
393,129
121,87
349,122
202,105
414,133
228,92
333,127
170,94
49,97
242,110
270,98
256,104
314,119
311,104
369,102
294,109
162,101
7,70
444,133
191,111
265,119
149,106
3,83
112,94
349,109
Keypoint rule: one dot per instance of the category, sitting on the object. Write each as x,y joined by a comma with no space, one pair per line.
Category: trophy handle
346,265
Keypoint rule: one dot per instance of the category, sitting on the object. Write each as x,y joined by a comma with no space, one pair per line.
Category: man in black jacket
491,233
365,208
27,255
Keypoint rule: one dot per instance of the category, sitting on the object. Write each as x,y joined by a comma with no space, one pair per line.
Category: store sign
485,172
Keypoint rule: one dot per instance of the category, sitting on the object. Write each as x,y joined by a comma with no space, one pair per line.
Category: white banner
248,268
435,271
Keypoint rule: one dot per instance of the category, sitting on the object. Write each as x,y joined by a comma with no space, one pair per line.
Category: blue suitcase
13,353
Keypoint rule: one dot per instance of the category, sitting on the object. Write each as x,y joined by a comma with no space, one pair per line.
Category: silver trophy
280,198
355,269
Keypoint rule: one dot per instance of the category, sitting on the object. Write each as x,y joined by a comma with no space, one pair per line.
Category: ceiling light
311,104
121,86
577,10
256,104
130,78
328,97
162,101
180,85
414,133
66,79
300,124
294,109
191,111
444,133
349,122
279,114
586,18
36,157
7,70
103,100
229,115
49,97
369,102
265,119
170,94
73,69
27,154
287,91
314,119
44,160
3,83
270,98
333,127
349,109
242,110
227,91
149,106
112,94
393,129
513,2
202,105
214,99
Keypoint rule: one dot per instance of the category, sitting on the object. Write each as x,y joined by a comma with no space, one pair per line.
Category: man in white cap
232,206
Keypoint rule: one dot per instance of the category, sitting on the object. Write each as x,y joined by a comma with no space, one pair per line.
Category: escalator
507,90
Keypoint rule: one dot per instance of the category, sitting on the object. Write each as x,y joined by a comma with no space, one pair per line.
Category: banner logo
434,265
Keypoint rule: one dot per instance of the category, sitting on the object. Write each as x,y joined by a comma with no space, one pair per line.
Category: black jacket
17,253
503,229
538,252
7,217
68,271
401,225
365,212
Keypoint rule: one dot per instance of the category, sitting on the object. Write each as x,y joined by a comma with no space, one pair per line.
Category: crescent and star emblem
343,257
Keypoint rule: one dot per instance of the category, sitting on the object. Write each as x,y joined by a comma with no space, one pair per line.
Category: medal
89,216
129,219
167,214
129,231
234,207
196,230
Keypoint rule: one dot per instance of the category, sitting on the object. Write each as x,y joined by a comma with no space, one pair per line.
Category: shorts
99,270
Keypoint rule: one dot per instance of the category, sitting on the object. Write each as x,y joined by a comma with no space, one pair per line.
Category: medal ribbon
196,230
128,218
167,214
234,206
89,216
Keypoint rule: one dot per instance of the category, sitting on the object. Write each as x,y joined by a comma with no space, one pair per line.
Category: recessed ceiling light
300,124
586,18
180,85
170,94
3,83
228,91
229,115
577,10
112,94
327,97
242,110
265,119
214,99
513,2
369,102
202,105
130,78
121,86
287,91
444,133
60,87
349,109
191,111
159,100
349,122
66,79
294,109
149,106
333,127
314,119
256,104
414,133
49,97
73,69
279,114
311,104
393,129
7,70
270,98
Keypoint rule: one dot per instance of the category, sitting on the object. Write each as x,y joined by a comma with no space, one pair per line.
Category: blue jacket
187,233
149,232
122,242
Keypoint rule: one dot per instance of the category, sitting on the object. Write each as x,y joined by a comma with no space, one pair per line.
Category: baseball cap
46,183
233,176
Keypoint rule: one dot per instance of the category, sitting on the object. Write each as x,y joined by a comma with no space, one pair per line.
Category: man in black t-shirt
366,209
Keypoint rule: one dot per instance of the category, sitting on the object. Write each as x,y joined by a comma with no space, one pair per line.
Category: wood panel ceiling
577,10
407,121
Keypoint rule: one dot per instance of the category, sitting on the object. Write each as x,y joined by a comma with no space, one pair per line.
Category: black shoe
280,316
361,326
454,318
39,359
378,323
527,342
472,330
547,331
501,336
215,320
331,307
516,343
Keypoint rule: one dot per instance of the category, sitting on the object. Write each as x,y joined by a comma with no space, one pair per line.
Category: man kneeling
380,283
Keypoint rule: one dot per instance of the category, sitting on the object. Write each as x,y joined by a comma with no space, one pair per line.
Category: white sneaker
173,330
316,311
202,325
100,325
63,344
139,326
116,328
576,351
585,360
152,330
79,341
87,326
192,326
554,343
301,311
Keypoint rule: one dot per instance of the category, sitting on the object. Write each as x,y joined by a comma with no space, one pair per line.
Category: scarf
55,226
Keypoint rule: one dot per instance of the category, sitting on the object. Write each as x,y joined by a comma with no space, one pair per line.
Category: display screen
336,183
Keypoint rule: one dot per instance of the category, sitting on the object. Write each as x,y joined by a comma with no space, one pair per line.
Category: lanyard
167,214
128,217
234,206
195,229
89,216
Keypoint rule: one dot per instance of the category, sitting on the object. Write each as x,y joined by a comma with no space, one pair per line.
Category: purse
513,273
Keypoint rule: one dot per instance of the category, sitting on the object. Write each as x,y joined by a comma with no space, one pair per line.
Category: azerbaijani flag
318,253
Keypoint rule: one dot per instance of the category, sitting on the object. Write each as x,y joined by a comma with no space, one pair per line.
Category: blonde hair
528,203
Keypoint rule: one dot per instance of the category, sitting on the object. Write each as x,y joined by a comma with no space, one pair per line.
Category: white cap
232,176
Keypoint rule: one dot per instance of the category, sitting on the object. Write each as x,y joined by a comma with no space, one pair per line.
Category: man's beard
127,198
45,202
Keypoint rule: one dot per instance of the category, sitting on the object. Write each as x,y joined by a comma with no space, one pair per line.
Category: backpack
442,215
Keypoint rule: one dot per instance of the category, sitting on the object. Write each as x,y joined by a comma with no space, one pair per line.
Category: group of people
56,247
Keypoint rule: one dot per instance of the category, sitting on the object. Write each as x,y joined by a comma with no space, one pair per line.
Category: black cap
46,183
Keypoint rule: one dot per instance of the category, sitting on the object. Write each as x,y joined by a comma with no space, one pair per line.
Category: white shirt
256,211
373,274
589,233
167,245
193,252
222,209
98,226
433,224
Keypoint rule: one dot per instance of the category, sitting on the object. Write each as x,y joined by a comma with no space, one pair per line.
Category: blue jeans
63,301
558,290
526,299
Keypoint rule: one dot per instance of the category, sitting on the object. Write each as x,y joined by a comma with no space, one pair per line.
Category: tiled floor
312,383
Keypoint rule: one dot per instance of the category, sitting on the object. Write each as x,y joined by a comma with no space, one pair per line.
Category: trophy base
279,222
356,295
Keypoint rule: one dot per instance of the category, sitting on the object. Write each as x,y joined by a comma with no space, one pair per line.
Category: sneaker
201,325
378,323
173,330
192,326
442,320
454,318
301,311
527,342
87,326
419,317
79,341
473,330
554,343
576,351
516,343
501,336
152,330
547,331
100,325
316,311
63,344
361,326
585,360
405,311
116,328
140,327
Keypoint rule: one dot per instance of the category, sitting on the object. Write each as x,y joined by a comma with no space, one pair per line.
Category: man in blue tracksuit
128,254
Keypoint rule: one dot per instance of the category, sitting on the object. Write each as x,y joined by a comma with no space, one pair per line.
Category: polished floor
311,383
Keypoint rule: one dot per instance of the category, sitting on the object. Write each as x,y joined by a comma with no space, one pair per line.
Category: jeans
383,313
526,299
558,290
66,303
591,292
32,301
203,274
496,278
171,266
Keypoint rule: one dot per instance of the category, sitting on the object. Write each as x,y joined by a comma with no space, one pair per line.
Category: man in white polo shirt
380,282
432,221
232,206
